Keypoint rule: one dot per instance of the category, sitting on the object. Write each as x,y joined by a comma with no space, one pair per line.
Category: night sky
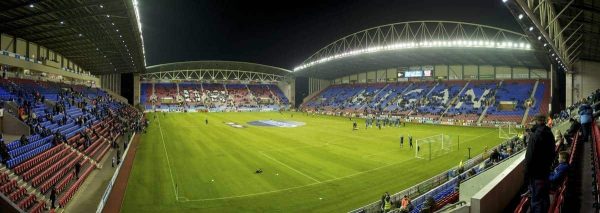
284,33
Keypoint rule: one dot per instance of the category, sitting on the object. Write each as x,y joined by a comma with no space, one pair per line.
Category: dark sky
284,33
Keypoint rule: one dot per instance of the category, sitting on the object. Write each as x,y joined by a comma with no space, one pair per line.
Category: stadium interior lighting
422,44
520,16
530,28
504,1
31,6
137,16
545,44
62,22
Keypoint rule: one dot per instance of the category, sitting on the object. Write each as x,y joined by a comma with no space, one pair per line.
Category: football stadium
360,107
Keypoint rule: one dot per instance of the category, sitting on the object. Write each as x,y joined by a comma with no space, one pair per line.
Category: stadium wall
445,72
288,88
136,89
27,55
316,85
111,82
583,81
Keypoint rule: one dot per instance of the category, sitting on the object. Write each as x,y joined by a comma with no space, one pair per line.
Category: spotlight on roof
101,6
107,16
504,1
80,34
530,28
539,37
545,44
62,22
520,16
31,6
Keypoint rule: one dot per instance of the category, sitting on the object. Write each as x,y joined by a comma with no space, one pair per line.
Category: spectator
428,205
585,118
77,169
384,197
4,151
538,162
405,204
23,140
560,170
52,197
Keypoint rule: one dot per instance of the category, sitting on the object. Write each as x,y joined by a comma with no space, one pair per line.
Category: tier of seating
71,129
451,100
210,95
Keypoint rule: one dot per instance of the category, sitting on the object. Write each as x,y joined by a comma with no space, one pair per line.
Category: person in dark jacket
53,197
77,169
538,162
585,117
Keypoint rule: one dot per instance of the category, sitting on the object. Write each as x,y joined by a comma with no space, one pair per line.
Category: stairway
252,97
526,114
376,94
399,96
94,162
273,95
453,99
482,116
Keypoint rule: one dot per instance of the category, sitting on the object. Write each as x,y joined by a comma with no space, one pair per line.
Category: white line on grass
307,185
168,162
299,172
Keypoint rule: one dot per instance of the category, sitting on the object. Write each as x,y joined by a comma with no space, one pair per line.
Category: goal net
507,131
433,146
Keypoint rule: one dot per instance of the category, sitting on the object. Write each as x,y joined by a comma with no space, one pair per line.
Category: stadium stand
211,96
70,125
508,101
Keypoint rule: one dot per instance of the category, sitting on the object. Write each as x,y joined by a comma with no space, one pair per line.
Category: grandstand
433,112
215,86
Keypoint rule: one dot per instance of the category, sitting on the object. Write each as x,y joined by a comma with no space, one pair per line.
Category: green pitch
183,165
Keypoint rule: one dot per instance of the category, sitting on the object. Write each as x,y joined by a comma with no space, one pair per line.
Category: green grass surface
323,166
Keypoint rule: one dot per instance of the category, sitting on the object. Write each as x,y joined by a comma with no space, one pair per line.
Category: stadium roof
217,65
421,43
569,30
101,36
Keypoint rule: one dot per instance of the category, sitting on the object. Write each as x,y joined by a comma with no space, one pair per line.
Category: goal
433,146
507,131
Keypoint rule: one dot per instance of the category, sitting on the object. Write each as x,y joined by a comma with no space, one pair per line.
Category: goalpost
507,131
432,146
